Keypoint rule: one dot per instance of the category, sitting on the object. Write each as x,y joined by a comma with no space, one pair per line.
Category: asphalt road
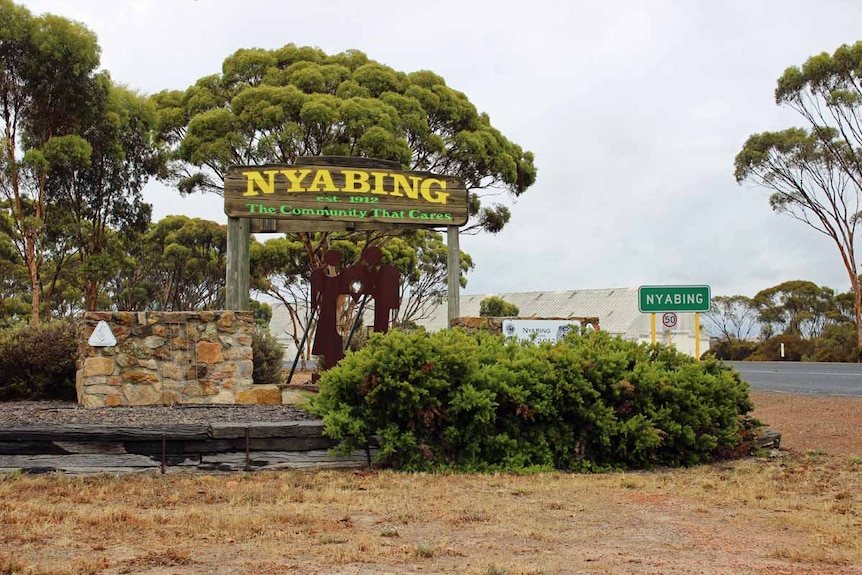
798,377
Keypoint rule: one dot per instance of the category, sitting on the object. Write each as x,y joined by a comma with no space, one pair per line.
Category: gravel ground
831,424
41,413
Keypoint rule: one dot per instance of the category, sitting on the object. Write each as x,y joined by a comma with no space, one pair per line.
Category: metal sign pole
652,329
697,336
302,343
356,321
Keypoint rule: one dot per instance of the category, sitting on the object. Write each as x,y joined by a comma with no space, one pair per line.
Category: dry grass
798,514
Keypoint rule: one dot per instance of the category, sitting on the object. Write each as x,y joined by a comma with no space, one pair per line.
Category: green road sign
660,299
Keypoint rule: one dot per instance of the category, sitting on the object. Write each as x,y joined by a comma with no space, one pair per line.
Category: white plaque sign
102,336
537,330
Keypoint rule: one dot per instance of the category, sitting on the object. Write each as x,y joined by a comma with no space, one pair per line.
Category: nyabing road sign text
661,299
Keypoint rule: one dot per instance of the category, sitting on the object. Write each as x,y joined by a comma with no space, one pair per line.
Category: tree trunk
857,309
33,273
91,294
856,286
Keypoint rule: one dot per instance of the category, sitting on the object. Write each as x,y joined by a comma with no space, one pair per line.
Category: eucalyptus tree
176,264
815,172
46,75
13,282
275,106
421,259
279,268
731,317
100,192
798,307
135,285
182,261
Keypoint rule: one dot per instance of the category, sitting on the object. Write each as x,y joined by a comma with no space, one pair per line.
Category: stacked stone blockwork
164,358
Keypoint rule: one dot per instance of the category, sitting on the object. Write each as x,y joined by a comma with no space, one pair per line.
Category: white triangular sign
102,336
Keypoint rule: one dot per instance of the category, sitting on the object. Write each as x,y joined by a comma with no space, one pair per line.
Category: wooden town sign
331,194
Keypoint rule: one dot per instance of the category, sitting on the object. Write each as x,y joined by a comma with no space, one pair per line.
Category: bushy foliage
262,313
38,362
495,306
360,337
482,402
731,350
267,356
795,348
836,343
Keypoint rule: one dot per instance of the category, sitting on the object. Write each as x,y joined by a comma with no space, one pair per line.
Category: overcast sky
633,109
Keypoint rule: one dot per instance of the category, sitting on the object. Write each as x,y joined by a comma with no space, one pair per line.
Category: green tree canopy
96,182
815,173
178,264
495,306
13,282
77,151
274,106
798,307
421,259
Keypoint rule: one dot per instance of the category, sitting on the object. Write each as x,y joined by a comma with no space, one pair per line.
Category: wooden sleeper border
204,447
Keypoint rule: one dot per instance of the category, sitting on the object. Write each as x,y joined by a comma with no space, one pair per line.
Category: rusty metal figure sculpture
328,283
378,281
367,279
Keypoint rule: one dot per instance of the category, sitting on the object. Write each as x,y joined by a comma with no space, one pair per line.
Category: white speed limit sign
669,320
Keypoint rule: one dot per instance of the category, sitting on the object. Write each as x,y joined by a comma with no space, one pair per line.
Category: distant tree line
812,322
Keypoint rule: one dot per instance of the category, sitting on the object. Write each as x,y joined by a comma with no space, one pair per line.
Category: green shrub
262,313
732,350
38,362
495,306
795,348
267,355
836,343
483,402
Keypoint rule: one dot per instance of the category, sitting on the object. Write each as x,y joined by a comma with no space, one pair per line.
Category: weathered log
89,461
266,429
58,447
229,445
768,439
226,446
104,433
282,460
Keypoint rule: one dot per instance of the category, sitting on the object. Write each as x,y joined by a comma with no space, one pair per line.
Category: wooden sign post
237,276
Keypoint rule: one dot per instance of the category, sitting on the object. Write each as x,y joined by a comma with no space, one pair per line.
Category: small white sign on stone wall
537,330
102,336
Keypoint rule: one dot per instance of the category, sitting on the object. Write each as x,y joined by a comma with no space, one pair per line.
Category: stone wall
163,358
